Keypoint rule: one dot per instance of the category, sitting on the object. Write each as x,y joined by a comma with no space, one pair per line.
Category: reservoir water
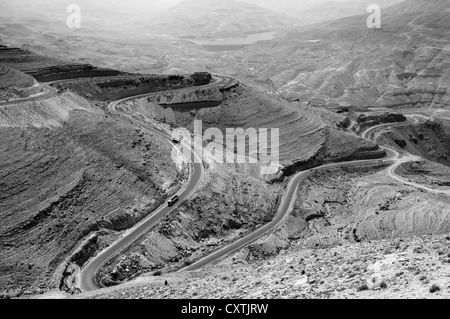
234,43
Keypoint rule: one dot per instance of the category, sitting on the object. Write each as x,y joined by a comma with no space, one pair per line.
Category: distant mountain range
307,11
333,10
344,62
215,19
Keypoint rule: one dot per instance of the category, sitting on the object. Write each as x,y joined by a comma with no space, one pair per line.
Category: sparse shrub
187,262
157,273
383,285
435,288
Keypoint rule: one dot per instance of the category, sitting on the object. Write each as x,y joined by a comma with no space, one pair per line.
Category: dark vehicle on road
176,140
173,200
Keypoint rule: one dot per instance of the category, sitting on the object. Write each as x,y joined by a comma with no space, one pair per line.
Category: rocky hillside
45,69
333,10
359,236
15,84
118,88
233,199
74,177
345,63
394,269
307,137
229,203
13,78
67,169
430,140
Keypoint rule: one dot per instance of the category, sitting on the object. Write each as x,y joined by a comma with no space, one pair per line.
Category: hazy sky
128,6
122,10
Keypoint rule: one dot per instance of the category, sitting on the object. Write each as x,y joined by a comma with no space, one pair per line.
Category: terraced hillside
75,175
116,88
13,78
45,69
429,140
15,84
66,170
307,137
233,199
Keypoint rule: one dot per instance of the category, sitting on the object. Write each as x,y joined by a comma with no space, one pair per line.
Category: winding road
289,197
89,272
401,159
285,208
286,205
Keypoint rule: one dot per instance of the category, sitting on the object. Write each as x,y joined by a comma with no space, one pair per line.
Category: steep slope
45,69
67,170
374,270
233,199
13,78
307,137
430,140
334,10
15,84
345,63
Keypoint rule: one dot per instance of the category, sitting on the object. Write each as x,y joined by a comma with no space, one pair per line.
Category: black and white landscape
118,180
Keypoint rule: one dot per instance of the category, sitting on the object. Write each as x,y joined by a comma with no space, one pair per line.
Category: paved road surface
289,198
89,272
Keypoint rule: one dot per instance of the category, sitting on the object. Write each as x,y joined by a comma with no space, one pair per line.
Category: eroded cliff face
405,76
372,118
233,199
229,203
308,137
45,69
430,140
15,84
125,86
355,205
67,170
